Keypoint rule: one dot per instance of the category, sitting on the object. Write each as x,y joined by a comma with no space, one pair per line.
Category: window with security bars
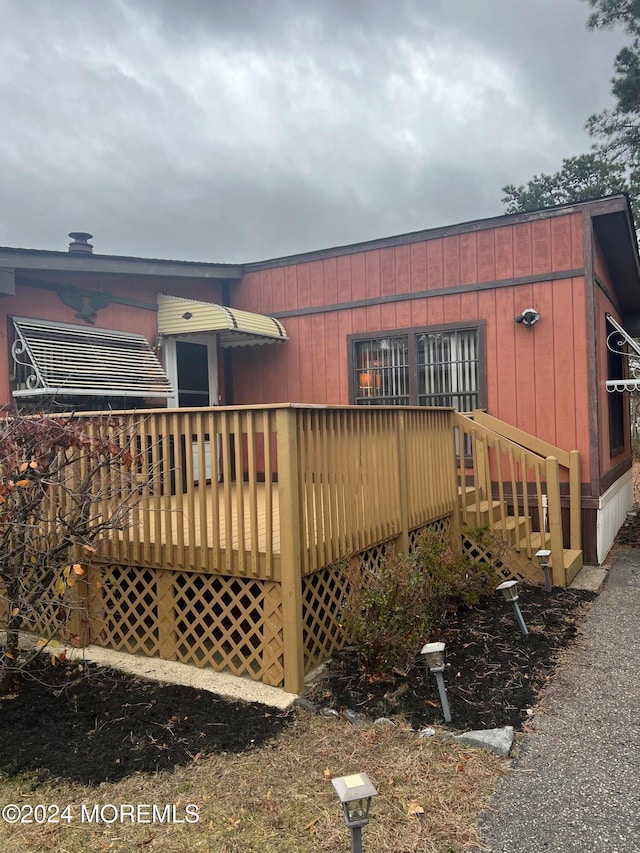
381,372
447,365
425,367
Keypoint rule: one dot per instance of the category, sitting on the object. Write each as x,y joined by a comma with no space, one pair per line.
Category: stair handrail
482,439
567,459
524,439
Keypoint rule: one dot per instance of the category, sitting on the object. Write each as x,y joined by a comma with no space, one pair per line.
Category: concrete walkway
575,783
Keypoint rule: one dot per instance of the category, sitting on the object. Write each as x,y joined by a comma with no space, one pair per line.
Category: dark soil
102,725
493,673
99,725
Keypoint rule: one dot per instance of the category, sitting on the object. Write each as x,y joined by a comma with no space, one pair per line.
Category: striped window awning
615,342
235,328
60,358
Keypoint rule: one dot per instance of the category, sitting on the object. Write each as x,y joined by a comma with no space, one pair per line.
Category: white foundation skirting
612,512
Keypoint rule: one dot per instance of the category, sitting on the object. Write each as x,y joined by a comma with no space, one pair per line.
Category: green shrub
452,580
390,611
384,617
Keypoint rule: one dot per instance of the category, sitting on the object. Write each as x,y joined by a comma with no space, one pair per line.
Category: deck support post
555,522
458,498
290,548
402,541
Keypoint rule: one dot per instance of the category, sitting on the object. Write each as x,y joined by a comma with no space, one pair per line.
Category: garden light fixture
355,793
544,558
509,589
434,658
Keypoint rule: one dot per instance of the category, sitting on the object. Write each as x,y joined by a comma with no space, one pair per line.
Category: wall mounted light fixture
528,318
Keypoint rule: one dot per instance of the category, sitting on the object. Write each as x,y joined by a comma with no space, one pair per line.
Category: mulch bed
99,725
102,725
493,673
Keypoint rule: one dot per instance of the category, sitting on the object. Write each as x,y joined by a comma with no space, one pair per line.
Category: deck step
512,530
480,511
538,541
467,496
572,564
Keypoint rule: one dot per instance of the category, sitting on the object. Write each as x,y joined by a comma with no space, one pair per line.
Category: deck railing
207,501
215,484
370,475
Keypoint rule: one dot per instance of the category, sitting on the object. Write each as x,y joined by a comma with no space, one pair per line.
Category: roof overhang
55,359
40,259
613,226
178,317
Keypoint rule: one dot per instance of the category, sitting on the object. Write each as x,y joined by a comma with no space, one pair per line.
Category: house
523,316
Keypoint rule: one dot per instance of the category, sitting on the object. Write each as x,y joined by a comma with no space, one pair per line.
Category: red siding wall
537,378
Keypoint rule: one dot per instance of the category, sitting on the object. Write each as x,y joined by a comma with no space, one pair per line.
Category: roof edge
47,259
617,201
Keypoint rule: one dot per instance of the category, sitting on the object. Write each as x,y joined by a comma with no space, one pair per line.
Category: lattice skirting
324,593
508,563
230,624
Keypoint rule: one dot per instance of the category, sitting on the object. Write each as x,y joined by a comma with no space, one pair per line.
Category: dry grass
279,799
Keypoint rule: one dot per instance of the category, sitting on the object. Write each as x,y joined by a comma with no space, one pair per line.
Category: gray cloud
241,130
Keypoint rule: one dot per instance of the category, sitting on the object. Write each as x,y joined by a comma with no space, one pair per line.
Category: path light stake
544,558
510,591
434,657
355,793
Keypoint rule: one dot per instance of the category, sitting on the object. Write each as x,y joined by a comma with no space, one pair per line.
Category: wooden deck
209,529
245,573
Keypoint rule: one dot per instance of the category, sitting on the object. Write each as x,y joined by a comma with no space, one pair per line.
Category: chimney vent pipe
80,243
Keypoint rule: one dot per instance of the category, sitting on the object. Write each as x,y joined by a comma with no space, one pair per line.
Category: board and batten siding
536,378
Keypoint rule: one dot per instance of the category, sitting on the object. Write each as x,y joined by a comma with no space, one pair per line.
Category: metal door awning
63,359
177,317
615,341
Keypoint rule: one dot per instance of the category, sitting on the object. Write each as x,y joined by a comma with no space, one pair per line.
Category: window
440,366
382,372
448,369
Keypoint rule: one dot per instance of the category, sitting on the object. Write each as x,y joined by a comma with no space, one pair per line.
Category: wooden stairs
510,500
516,546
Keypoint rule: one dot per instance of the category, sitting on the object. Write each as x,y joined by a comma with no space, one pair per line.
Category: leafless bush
66,483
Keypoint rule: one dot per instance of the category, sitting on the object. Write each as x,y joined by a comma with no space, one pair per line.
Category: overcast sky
239,130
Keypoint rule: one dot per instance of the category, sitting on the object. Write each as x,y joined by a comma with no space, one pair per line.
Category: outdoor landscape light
434,657
355,793
544,558
509,589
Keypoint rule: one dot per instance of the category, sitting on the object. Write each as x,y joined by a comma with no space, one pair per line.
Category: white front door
192,367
